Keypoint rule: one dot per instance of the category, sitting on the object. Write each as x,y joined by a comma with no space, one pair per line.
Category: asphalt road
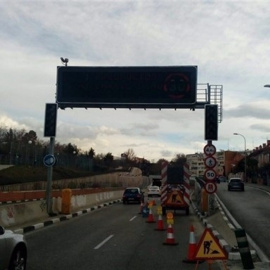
114,237
251,210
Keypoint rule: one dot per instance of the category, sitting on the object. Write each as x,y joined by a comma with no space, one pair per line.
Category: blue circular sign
49,160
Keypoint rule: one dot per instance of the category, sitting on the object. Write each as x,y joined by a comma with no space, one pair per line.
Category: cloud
227,40
259,110
261,127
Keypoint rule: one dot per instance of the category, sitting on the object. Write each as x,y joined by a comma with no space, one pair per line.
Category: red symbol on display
177,85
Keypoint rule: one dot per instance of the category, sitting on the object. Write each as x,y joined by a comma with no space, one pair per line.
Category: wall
18,207
117,179
18,214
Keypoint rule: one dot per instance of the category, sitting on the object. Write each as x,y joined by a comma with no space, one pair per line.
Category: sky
228,41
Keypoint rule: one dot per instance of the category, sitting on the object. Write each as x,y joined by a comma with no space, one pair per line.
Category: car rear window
154,188
132,191
235,180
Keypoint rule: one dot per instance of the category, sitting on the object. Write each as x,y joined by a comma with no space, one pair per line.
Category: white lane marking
133,218
103,242
265,191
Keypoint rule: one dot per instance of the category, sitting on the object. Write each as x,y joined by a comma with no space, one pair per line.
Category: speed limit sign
209,150
210,175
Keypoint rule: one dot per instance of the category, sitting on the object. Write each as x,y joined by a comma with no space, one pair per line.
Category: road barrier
244,250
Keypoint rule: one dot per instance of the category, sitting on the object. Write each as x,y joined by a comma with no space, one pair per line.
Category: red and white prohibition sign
210,187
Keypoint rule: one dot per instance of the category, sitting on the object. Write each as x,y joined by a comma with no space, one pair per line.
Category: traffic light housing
211,122
50,120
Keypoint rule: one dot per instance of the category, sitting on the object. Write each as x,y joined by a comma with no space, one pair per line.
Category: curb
234,254
52,221
21,201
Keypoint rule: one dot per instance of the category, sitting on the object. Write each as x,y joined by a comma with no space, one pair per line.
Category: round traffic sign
49,160
170,215
210,175
209,150
210,162
210,187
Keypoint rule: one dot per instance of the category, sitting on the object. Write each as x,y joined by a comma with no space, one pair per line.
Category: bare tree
179,159
130,154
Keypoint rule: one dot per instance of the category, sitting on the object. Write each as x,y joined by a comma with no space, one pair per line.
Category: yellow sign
209,247
159,210
176,198
170,221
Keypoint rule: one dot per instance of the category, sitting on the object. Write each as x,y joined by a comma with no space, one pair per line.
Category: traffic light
50,120
211,122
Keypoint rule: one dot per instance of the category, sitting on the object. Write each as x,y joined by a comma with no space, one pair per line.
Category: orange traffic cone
150,218
160,226
170,236
191,247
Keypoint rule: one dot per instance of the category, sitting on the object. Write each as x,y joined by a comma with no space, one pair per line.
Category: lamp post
245,153
267,85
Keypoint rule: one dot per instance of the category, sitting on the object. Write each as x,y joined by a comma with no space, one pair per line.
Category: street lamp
245,153
267,85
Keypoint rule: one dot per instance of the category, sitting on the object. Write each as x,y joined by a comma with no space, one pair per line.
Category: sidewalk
2,167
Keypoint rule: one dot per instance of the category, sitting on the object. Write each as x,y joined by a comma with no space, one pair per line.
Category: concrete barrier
22,203
18,214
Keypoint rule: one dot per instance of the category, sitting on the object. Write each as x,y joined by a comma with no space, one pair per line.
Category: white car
153,191
13,250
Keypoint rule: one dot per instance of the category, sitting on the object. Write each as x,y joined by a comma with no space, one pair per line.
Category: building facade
226,161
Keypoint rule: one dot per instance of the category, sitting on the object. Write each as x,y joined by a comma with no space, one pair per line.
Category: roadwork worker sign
176,198
209,248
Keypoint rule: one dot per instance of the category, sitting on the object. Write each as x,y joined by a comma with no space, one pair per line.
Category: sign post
49,160
210,162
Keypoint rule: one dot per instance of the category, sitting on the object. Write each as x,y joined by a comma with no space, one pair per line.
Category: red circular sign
177,85
210,187
210,174
209,150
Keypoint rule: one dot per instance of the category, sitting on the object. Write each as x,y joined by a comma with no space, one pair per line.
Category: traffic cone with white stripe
160,226
170,237
150,218
191,247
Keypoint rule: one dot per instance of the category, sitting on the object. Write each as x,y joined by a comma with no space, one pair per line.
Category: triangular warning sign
209,247
176,198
